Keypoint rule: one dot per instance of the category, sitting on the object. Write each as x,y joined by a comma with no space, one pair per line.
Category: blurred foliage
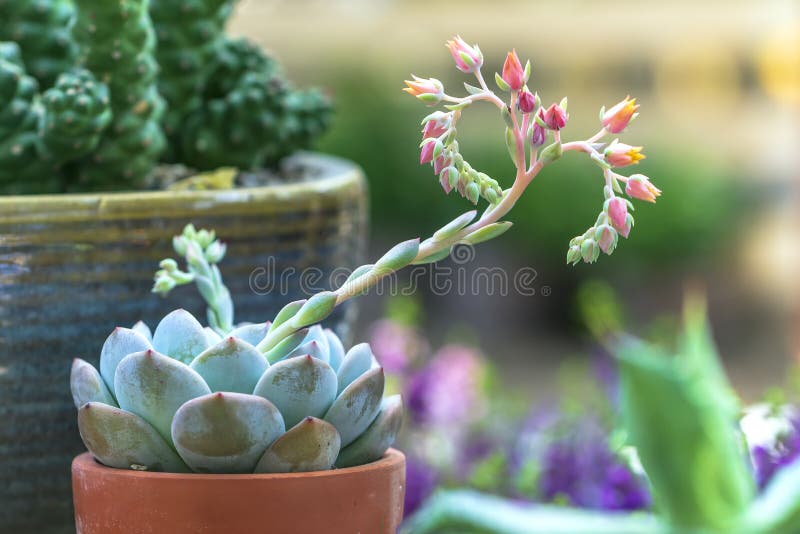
694,219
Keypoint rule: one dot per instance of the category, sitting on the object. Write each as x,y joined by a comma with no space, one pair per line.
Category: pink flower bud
622,155
426,154
527,102
639,186
430,90
539,135
555,117
617,118
513,74
617,210
468,58
433,129
606,237
440,163
444,181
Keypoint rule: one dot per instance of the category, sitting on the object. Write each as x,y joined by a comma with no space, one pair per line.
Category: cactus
42,133
229,103
99,122
220,400
40,27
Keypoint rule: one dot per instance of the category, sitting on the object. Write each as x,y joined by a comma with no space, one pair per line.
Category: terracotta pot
358,500
72,267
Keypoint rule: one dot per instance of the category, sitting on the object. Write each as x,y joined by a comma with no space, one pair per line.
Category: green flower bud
574,254
590,251
551,153
473,192
169,265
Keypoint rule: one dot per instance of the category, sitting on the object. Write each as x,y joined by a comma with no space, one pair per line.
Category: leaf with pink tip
311,445
154,386
124,440
180,336
252,333
225,432
231,365
120,343
377,438
298,387
357,406
313,349
87,385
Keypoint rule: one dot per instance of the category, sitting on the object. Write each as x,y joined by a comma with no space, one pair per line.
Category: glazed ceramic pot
72,267
367,499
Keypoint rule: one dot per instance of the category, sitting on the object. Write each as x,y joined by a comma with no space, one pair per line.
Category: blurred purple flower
447,391
769,459
394,345
581,468
421,480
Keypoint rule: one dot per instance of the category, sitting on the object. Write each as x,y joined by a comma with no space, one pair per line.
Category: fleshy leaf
124,440
357,406
380,435
298,387
252,333
120,343
231,365
686,440
212,338
313,349
142,328
225,432
335,350
87,385
285,346
357,361
180,336
311,445
154,386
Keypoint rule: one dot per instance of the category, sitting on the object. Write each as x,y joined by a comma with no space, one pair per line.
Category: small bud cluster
533,136
202,251
614,221
440,148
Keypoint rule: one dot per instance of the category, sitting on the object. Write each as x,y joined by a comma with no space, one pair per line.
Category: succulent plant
187,399
223,399
225,102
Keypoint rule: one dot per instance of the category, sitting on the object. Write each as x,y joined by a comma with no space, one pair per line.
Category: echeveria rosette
533,138
186,399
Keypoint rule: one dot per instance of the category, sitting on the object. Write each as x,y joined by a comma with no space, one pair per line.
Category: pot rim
87,463
336,172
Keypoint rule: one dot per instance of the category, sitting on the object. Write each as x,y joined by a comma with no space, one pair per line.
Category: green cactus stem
76,113
116,42
41,28
40,135
251,116
188,33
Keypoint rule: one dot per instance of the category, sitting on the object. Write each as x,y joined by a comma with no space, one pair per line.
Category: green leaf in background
681,416
470,512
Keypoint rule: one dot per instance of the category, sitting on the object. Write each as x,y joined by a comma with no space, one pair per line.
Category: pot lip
86,463
336,173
